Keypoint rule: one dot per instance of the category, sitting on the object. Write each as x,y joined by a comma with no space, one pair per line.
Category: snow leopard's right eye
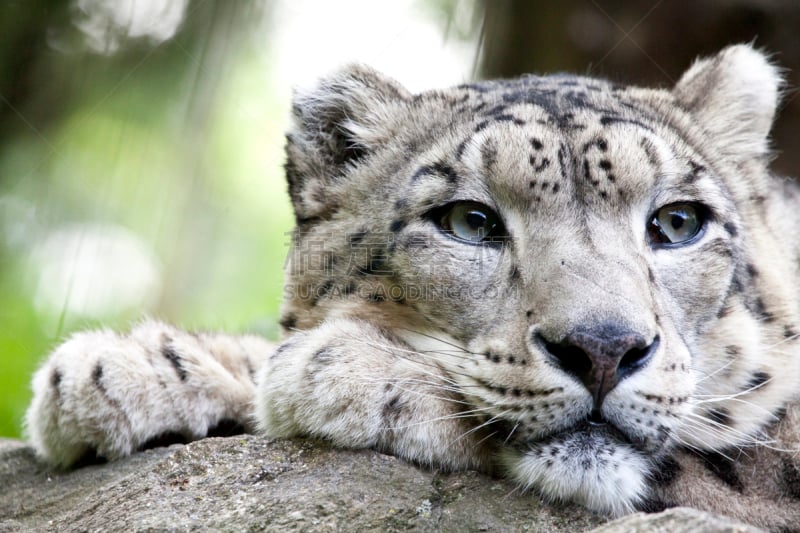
471,222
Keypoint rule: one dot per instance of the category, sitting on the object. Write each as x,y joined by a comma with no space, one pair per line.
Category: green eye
677,223
472,222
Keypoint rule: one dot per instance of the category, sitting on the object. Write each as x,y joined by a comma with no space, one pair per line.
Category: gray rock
679,519
255,484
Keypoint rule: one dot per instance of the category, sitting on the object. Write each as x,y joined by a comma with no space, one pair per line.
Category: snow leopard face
605,274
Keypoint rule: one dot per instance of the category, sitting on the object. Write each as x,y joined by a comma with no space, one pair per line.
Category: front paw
108,394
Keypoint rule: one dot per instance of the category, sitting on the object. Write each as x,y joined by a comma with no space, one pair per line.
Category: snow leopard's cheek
695,282
458,286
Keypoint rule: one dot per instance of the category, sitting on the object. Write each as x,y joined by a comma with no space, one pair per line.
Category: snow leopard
586,287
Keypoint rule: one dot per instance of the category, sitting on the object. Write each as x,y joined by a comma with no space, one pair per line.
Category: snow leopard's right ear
335,124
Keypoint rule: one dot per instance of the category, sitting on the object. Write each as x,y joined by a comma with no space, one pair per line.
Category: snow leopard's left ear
334,126
734,96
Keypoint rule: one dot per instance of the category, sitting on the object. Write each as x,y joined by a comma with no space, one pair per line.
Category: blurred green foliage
176,145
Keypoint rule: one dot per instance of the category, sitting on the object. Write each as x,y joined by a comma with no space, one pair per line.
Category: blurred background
141,140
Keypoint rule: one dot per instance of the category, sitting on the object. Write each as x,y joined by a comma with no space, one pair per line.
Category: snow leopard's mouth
591,431
595,428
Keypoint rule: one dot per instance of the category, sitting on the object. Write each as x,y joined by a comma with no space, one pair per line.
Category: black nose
600,357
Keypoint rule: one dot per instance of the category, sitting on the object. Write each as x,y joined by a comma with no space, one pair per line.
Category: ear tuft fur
335,125
734,96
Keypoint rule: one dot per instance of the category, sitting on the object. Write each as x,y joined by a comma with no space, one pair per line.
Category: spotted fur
574,353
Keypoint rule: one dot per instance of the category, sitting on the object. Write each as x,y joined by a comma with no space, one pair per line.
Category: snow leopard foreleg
359,386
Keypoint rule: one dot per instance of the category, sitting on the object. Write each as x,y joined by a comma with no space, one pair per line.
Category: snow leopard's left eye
472,222
678,223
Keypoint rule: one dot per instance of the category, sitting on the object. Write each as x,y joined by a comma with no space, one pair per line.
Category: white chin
591,469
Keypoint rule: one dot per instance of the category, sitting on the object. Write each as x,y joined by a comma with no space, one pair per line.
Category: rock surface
254,484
